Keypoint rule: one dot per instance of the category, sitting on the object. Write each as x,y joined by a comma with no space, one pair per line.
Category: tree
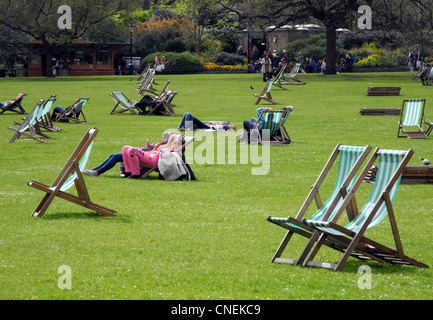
39,20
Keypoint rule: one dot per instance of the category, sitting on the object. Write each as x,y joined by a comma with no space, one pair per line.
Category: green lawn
205,239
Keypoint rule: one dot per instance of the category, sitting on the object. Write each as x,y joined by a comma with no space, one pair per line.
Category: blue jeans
188,118
109,163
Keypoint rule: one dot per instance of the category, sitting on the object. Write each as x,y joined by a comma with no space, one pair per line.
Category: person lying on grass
111,161
189,119
133,158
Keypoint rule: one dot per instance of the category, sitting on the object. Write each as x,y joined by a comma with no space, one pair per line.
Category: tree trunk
331,39
48,60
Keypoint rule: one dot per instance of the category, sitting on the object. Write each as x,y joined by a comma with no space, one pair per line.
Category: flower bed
210,66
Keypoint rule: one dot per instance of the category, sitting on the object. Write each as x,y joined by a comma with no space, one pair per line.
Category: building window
103,57
83,55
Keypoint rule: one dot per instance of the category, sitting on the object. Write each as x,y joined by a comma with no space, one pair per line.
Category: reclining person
111,161
11,103
134,157
189,119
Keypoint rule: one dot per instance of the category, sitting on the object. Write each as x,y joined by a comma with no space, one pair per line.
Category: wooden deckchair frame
422,131
345,178
146,83
356,244
29,126
293,76
16,105
71,110
123,103
280,129
266,94
163,101
277,81
71,170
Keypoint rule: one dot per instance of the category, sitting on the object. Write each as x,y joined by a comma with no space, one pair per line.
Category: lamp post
131,64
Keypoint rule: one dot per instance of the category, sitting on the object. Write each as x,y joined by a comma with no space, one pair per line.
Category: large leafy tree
38,20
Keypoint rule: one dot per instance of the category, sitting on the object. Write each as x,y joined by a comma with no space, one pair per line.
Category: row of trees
107,20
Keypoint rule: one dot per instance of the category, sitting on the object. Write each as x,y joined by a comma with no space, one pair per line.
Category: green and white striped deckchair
71,175
293,76
279,77
147,82
266,94
273,122
28,126
412,116
45,118
350,239
350,160
123,103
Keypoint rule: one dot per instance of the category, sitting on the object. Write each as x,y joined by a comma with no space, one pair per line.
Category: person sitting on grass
134,157
111,161
189,119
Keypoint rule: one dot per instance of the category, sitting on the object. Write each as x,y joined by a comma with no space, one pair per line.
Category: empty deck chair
350,239
412,116
123,103
73,112
350,160
29,125
266,94
279,77
146,84
15,104
292,78
71,175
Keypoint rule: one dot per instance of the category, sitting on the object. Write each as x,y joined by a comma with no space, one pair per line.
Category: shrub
225,58
185,62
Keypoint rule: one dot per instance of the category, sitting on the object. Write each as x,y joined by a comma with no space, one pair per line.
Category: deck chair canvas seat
279,77
123,103
350,239
412,118
291,78
273,121
40,120
71,175
350,159
16,105
29,126
266,94
73,112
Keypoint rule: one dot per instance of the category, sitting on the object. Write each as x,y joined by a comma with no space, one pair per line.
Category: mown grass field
206,239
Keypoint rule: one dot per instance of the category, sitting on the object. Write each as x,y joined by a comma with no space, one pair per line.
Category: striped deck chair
16,104
350,160
147,82
28,127
266,94
279,77
71,175
123,103
351,239
292,76
73,112
44,119
281,136
143,74
41,114
412,116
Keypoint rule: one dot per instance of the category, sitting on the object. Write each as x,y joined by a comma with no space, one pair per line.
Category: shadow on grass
94,216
